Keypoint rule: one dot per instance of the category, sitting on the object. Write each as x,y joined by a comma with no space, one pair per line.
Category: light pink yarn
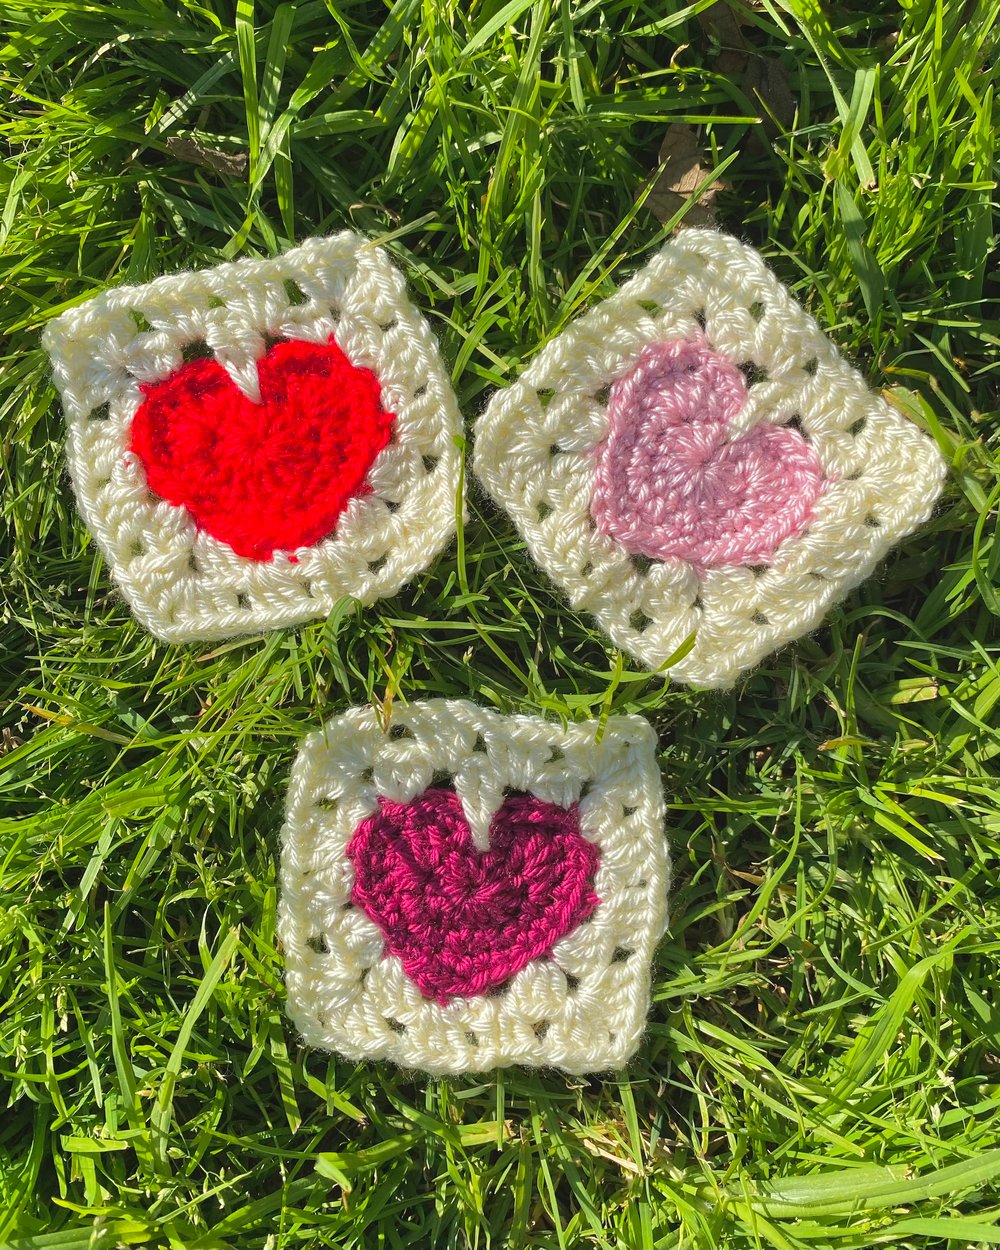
669,482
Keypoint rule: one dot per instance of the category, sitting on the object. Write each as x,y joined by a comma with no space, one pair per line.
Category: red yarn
267,476
464,921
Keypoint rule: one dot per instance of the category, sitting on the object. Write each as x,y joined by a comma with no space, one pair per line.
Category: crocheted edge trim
182,583
534,448
582,1009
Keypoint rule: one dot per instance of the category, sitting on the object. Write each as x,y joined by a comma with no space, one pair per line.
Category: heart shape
669,481
267,476
464,921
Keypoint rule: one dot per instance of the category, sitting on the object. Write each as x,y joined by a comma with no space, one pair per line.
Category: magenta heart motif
463,921
670,481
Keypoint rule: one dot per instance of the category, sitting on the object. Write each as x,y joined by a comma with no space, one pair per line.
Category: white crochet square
537,444
182,583
583,1007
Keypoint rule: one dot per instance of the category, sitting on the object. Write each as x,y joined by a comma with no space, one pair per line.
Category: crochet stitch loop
267,475
670,481
464,921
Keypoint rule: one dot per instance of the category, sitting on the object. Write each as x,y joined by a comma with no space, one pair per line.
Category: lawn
822,1065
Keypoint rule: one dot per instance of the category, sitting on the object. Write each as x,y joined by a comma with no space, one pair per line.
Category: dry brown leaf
231,164
681,175
762,79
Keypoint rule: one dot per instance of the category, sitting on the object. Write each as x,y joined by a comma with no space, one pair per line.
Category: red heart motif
464,921
670,479
268,476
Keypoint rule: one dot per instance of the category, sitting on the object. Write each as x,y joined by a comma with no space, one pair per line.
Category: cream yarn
181,582
539,441
581,1009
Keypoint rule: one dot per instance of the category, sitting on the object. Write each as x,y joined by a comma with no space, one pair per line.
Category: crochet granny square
469,890
248,444
693,459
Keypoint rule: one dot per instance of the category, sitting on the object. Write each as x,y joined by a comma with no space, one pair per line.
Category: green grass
822,1065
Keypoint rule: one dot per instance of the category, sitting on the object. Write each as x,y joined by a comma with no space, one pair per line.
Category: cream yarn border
535,444
583,1009
183,584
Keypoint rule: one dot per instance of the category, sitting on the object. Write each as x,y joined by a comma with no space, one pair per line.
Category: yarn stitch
548,843
251,443
464,921
670,482
267,475
680,505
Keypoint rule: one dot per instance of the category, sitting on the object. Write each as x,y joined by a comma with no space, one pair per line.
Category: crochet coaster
694,458
250,443
471,890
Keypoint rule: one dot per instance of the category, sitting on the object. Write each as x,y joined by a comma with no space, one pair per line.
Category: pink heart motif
463,921
671,482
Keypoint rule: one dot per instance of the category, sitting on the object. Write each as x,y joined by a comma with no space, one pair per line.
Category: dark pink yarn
464,921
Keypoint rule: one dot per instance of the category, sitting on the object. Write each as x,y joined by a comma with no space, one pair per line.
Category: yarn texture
251,443
669,481
271,475
464,921
694,462
466,890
